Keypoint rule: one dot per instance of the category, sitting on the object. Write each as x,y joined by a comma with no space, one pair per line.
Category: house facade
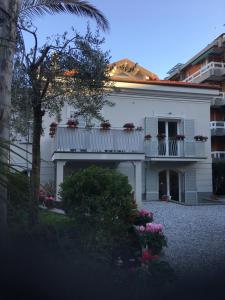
162,156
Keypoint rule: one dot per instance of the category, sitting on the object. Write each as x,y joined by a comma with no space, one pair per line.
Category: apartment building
208,66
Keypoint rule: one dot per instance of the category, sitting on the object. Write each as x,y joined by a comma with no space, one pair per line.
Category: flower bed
151,237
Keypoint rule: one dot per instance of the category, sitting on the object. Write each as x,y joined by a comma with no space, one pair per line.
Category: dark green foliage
18,197
99,199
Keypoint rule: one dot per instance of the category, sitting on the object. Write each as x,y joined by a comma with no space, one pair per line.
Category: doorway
168,145
169,185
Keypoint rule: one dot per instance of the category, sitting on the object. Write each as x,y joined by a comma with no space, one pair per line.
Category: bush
99,197
18,197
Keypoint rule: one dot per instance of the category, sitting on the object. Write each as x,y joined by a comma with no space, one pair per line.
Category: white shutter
151,126
152,190
189,129
190,187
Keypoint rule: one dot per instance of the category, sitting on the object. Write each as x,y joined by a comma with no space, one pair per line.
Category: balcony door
168,146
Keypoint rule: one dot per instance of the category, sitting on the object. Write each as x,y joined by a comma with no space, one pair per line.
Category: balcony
175,149
213,71
217,128
218,155
96,140
81,141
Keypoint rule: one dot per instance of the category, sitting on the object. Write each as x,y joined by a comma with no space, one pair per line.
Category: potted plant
128,126
139,128
105,125
143,217
72,123
52,129
161,136
148,137
179,137
201,138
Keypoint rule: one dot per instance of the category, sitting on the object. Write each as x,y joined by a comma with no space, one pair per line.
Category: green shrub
18,197
99,197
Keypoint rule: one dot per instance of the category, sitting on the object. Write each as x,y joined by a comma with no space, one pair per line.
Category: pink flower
141,228
150,227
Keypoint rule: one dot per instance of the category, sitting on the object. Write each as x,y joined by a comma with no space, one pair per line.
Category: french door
167,144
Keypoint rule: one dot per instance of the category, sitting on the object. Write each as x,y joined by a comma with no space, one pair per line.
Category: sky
155,34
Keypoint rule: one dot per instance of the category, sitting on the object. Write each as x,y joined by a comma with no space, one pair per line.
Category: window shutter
151,126
152,191
189,129
190,187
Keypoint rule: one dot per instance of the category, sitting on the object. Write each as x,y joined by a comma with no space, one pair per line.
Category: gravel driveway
196,236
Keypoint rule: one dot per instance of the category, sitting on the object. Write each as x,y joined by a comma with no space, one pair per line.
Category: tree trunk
36,161
8,18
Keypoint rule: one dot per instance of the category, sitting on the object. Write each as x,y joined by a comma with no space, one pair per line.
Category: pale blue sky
156,34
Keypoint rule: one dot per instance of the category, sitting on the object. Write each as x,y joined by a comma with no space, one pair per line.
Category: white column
138,182
59,176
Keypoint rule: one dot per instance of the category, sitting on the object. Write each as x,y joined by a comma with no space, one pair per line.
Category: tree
65,69
10,11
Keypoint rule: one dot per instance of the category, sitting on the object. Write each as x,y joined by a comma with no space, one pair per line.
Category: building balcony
116,143
97,143
171,149
218,155
217,128
213,71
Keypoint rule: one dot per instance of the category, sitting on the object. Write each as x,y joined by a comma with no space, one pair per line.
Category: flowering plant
151,236
148,257
143,216
201,138
72,123
128,126
148,136
105,125
180,137
161,136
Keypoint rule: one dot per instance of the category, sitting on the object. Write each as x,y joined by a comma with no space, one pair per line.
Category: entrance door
168,145
169,185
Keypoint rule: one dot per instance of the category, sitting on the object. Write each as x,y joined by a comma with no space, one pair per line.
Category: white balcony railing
175,148
97,140
217,128
218,154
217,125
212,65
120,141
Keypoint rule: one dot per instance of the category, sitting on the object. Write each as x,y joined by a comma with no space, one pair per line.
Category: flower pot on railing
72,123
161,136
52,129
179,137
201,138
148,137
105,125
128,127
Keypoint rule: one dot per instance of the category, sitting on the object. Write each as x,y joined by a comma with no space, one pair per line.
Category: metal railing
217,125
218,154
98,140
206,68
175,148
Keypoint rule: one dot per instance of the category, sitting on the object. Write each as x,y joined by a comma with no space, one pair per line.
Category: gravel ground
196,237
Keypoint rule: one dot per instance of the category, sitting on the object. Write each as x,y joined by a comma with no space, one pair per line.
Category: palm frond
30,8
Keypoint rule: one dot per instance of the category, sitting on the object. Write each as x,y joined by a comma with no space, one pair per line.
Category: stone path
196,236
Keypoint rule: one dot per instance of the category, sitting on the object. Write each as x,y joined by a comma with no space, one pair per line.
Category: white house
176,167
